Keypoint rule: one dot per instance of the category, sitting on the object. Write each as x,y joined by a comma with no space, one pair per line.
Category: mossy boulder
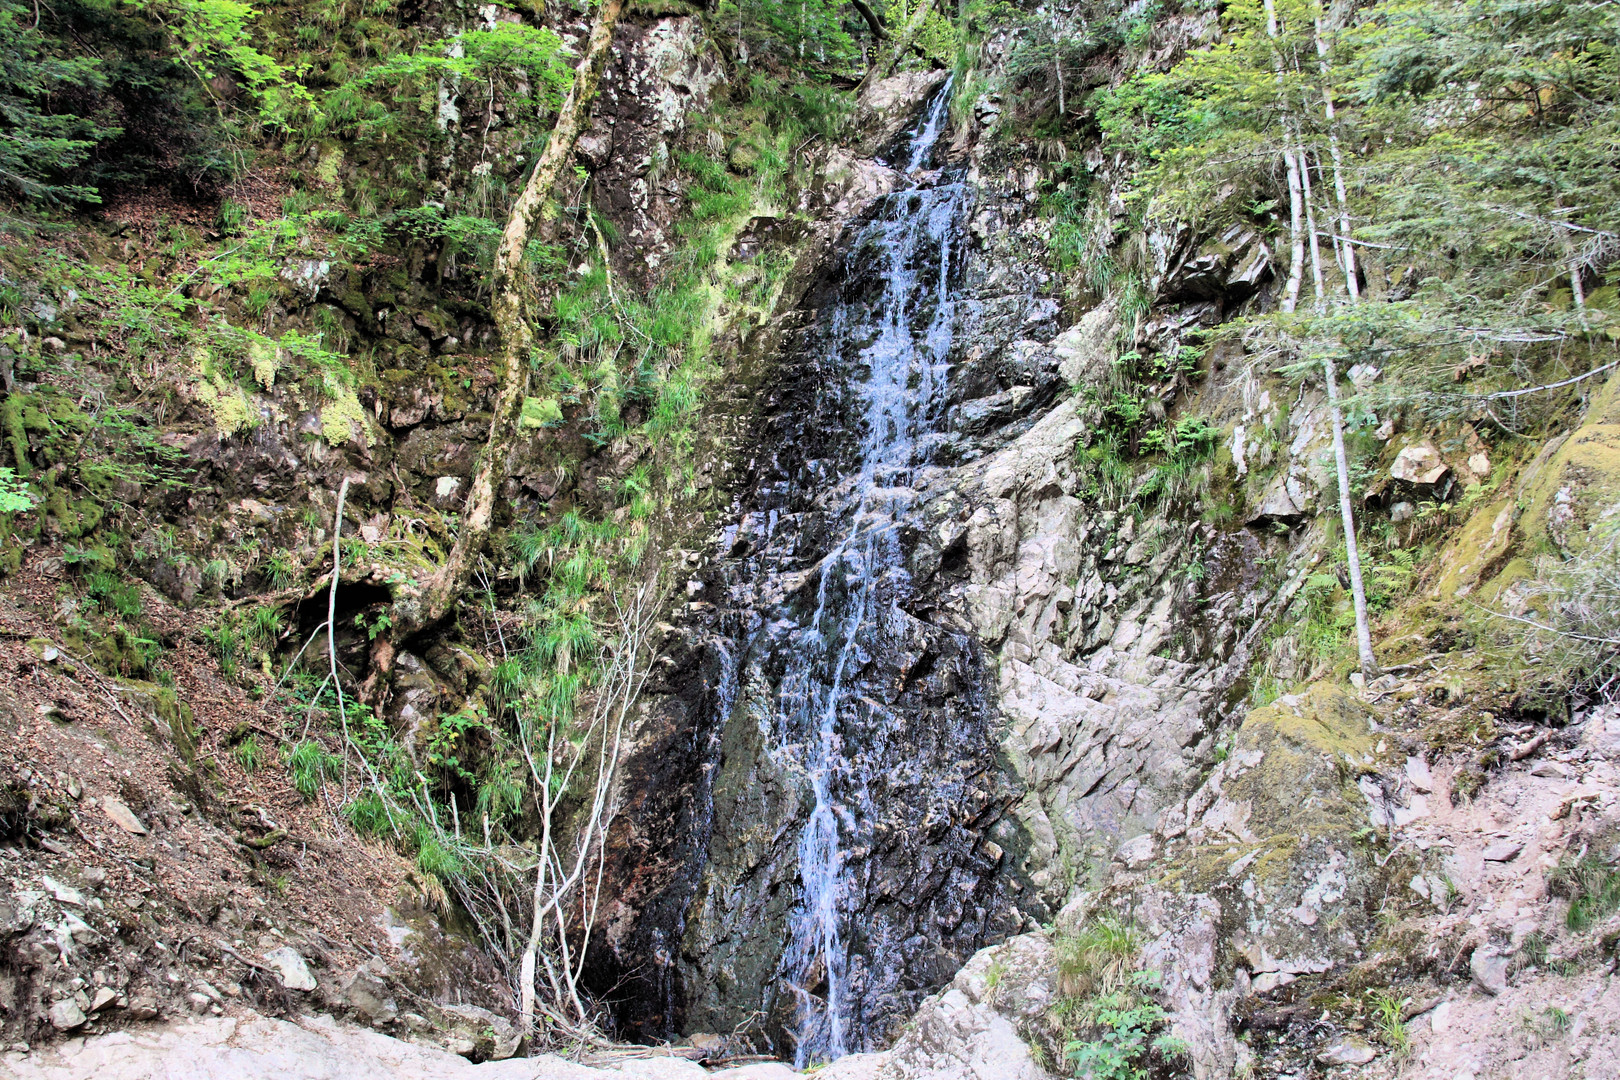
1574,484
1478,551
172,719
1283,835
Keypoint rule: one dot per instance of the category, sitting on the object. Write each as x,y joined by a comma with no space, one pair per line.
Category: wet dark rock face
819,830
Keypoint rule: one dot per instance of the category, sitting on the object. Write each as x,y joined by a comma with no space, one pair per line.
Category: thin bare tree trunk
1352,282
1296,232
1358,593
537,927
1296,223
1318,283
1057,69
331,626
1299,198
513,326
1341,461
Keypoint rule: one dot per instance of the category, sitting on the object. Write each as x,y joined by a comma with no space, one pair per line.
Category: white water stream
902,370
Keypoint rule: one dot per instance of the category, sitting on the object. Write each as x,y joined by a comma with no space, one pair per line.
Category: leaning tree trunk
902,45
512,325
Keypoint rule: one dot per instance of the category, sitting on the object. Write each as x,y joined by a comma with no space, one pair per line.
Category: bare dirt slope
144,872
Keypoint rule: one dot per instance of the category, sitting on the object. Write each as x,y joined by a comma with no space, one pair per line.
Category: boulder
1571,486
369,997
1287,500
1231,267
65,1015
1489,969
1288,795
1419,465
1085,349
493,1037
290,966
122,816
1346,1050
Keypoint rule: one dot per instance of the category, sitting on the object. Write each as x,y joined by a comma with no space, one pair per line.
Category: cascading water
819,724
861,579
825,787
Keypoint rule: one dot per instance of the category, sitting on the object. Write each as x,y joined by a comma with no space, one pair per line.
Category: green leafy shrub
249,754
369,816
226,640
1126,1032
433,857
311,766
1591,886
1097,958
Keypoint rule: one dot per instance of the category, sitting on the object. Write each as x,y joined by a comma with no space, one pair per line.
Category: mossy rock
74,517
1299,887
171,718
11,554
1577,485
1483,545
16,433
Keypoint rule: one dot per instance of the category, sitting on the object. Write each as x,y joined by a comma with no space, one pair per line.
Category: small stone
66,1015
78,929
461,1045
1137,851
105,996
369,996
198,1002
19,1048
1489,969
1347,1050
122,816
142,1008
1420,465
1418,775
1267,981
1402,511
1503,851
1440,1018
294,972
1551,770
63,894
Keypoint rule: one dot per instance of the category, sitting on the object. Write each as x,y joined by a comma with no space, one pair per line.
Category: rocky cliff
925,529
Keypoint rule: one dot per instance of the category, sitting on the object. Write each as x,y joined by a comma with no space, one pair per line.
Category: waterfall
928,129
899,350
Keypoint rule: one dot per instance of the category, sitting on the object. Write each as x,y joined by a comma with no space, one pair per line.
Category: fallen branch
1549,386
1612,642
262,843
331,624
1528,748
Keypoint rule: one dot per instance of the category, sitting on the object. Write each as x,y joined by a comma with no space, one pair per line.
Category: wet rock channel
835,824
